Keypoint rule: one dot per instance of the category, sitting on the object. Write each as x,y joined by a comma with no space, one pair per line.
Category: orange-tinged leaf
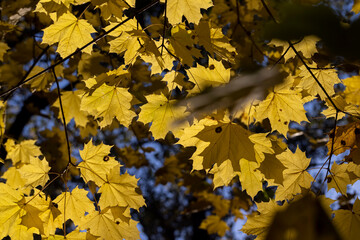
96,163
109,102
120,190
71,33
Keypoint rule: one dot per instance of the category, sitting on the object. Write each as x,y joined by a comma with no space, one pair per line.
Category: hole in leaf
343,142
218,130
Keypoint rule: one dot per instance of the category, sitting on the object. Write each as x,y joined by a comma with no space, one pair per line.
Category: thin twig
63,117
80,49
164,29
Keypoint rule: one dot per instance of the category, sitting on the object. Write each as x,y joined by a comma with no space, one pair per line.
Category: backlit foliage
94,70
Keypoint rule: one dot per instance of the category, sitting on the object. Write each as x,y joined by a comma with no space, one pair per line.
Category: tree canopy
168,119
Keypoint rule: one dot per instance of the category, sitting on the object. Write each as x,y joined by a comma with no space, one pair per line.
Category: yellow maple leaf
120,190
71,106
35,173
339,178
74,204
212,76
259,224
182,45
107,102
71,33
9,209
13,178
107,226
348,221
96,163
352,90
161,112
327,78
41,82
214,41
307,46
214,225
22,152
250,177
176,9
280,107
295,174
221,146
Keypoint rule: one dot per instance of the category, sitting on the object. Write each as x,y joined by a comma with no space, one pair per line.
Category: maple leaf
9,209
74,205
339,178
327,78
120,190
295,174
214,224
3,49
222,146
182,45
214,75
35,173
176,9
70,32
161,112
107,226
107,102
281,107
96,163
258,224
348,221
71,106
352,90
22,152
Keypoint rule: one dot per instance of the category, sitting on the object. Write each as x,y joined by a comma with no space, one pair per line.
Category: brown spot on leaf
343,142
212,67
218,130
106,158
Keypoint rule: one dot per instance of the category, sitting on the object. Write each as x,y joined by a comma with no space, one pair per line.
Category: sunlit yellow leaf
71,106
120,190
96,163
161,112
22,152
74,204
295,174
71,33
107,103
176,9
212,76
35,173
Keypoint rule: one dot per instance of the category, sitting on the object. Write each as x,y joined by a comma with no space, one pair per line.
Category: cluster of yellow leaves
225,146
26,210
